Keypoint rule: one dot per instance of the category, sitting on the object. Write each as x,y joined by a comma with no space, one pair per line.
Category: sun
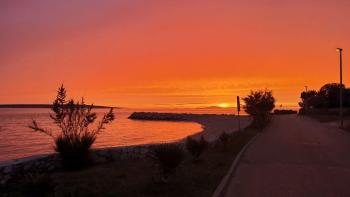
223,105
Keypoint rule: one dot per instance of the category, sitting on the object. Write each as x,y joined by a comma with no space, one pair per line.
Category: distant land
39,106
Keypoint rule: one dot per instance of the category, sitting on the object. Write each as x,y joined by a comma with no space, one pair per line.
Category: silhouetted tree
327,97
259,104
75,136
331,92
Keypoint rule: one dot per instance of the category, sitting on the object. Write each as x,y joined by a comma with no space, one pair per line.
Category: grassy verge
134,177
324,118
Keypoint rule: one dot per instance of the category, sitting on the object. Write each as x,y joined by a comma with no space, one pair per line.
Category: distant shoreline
41,106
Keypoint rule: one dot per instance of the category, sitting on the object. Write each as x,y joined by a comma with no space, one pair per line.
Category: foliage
37,185
167,157
196,147
259,104
75,135
327,97
224,140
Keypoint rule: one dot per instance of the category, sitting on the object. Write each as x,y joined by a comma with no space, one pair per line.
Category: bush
196,147
167,157
75,136
224,140
259,104
75,151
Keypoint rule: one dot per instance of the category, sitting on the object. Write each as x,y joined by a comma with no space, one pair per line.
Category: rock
51,168
7,169
27,166
5,179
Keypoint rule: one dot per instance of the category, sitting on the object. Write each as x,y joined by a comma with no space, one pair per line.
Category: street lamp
340,50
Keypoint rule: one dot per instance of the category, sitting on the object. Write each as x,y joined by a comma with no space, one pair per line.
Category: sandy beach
215,125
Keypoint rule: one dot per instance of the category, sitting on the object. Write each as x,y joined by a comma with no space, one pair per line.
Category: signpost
238,110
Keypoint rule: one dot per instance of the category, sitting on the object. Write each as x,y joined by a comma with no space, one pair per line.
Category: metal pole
341,87
238,110
239,123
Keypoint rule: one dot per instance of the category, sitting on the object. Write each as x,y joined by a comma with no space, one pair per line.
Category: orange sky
157,53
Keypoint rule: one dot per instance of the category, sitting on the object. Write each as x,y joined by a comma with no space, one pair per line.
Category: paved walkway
294,156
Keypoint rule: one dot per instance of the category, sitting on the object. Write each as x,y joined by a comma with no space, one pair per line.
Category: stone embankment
16,169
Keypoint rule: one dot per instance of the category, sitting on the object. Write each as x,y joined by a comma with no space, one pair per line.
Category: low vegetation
223,141
166,158
196,147
135,177
75,134
259,104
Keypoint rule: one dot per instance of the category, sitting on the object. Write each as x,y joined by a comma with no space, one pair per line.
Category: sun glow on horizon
223,105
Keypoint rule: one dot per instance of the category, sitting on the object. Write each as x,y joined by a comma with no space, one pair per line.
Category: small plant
38,185
196,147
167,157
75,136
224,140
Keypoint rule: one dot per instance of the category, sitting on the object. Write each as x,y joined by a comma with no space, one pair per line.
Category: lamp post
238,110
340,50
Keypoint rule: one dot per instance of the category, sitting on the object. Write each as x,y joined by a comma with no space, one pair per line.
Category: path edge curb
222,187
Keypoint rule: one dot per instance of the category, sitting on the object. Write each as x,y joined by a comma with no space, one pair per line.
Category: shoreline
212,127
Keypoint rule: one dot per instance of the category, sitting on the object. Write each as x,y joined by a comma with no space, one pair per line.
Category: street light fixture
340,50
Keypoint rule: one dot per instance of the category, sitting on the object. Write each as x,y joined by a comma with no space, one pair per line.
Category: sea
17,140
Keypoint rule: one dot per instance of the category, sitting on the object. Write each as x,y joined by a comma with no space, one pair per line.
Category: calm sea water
17,140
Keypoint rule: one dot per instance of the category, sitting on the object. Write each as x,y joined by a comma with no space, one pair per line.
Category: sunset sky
156,53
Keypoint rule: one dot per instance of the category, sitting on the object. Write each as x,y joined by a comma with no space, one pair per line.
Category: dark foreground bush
167,157
196,147
74,136
37,185
75,151
223,140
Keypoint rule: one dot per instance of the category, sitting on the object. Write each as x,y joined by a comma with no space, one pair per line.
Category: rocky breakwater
213,125
17,169
159,116
176,116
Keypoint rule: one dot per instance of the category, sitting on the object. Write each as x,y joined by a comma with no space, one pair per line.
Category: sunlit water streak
17,140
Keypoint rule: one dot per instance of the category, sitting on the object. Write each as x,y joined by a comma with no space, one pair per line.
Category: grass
133,177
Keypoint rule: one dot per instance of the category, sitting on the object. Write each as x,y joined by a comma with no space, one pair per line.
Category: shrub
196,147
167,157
259,104
75,136
224,140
